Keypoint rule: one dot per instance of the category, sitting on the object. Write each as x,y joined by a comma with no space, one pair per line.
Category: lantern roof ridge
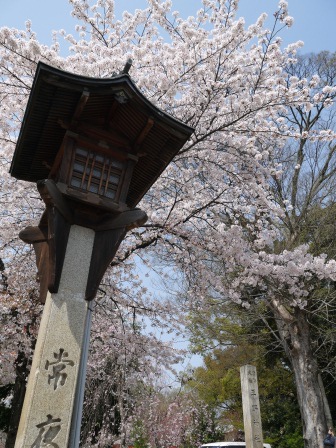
78,81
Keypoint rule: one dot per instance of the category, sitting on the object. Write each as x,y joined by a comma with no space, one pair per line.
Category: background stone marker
251,407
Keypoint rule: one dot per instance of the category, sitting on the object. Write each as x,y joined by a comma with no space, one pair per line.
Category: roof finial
127,67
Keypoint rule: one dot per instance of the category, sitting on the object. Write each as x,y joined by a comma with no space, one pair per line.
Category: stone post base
48,408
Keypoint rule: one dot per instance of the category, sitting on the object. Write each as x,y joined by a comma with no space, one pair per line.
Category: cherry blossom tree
176,418
304,192
124,362
213,211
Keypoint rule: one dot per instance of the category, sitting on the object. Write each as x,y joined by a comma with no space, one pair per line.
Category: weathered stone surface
251,407
47,410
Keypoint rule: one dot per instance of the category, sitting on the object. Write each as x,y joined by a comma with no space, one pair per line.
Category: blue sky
314,20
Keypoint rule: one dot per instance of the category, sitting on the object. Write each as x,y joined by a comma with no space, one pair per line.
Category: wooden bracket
106,244
50,238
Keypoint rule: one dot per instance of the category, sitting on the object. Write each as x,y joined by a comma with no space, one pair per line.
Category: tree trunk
295,335
21,369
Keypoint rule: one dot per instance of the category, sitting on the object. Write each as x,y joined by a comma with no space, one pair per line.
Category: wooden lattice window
97,173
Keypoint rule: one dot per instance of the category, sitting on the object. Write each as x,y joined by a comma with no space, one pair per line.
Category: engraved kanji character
58,366
48,432
253,392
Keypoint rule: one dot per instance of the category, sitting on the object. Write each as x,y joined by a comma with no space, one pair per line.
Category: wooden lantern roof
110,111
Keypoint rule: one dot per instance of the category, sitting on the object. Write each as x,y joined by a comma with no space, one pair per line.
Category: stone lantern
94,147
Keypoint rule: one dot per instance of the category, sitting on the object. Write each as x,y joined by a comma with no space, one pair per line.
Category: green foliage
280,411
290,440
218,384
138,435
202,428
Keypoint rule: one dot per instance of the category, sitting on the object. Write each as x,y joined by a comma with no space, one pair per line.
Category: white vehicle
229,445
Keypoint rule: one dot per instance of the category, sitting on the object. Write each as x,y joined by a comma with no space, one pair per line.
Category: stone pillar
57,370
251,407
